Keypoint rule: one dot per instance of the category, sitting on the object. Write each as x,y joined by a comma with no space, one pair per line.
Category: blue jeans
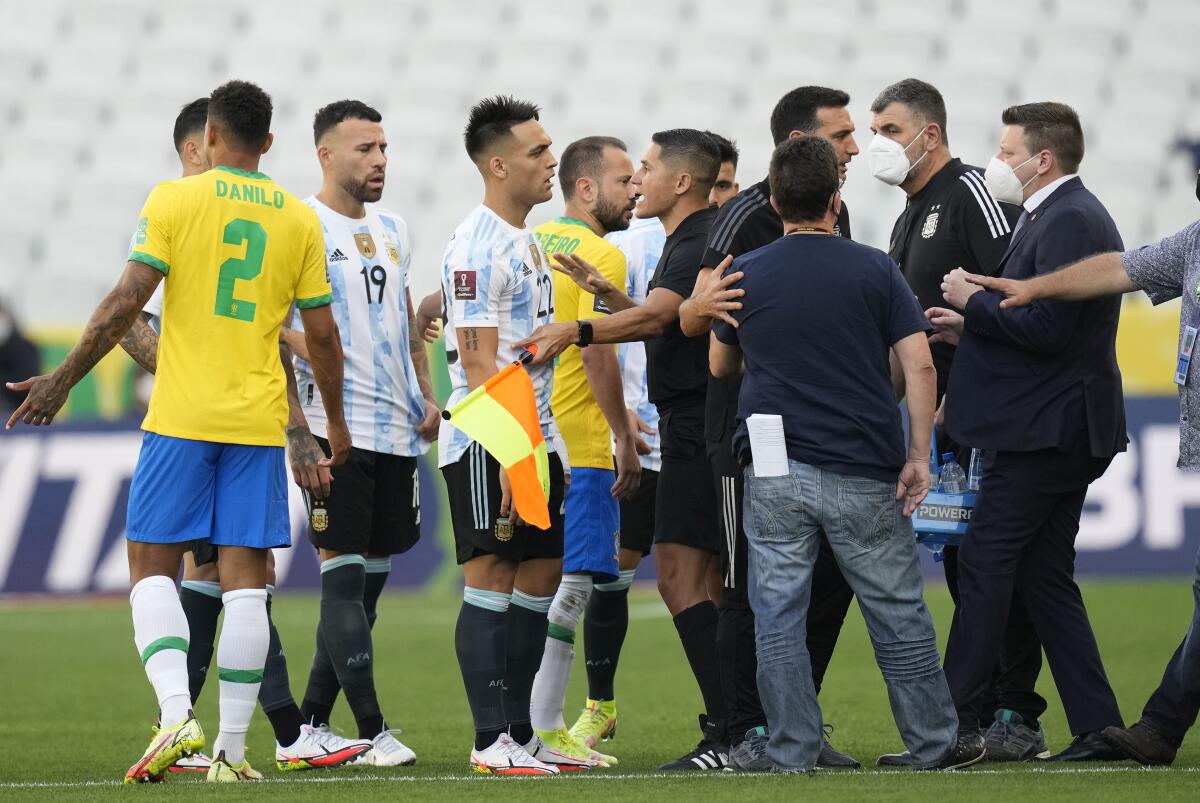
875,549
1173,707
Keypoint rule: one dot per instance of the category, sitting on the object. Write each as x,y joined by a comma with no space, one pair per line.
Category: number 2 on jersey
237,232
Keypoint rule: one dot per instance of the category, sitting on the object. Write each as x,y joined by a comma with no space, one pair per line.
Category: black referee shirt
677,365
952,222
746,222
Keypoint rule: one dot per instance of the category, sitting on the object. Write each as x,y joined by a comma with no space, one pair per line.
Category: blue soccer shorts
592,525
223,493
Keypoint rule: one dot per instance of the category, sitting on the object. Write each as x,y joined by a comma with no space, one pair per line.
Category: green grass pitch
75,711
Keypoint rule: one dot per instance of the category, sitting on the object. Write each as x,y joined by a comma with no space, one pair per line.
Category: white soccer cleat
506,757
387,751
559,757
196,762
318,748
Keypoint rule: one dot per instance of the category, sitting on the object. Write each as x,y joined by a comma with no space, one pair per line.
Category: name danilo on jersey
250,193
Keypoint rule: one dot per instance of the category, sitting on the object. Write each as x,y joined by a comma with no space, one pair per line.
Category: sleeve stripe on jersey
722,238
991,210
146,259
318,301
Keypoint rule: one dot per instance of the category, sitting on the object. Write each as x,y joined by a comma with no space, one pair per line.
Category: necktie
1021,221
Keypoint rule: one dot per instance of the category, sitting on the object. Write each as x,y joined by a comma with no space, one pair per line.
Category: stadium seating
88,93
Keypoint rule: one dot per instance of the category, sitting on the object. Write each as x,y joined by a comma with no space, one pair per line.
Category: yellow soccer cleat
167,746
222,771
597,722
569,752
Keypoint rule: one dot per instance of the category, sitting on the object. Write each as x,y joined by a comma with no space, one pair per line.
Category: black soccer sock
347,639
604,626
479,643
275,695
697,627
201,601
377,575
526,636
323,687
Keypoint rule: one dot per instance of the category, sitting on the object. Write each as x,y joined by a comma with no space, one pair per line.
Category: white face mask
889,159
1002,182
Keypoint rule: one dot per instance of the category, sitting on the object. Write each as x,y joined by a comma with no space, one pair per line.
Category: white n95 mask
1002,182
889,159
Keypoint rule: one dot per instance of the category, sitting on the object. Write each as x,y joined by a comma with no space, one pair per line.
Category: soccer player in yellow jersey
235,251
589,407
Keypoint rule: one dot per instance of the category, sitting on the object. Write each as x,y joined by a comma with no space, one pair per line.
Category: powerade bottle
952,480
975,472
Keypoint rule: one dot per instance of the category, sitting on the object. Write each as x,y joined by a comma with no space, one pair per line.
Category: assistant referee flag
501,415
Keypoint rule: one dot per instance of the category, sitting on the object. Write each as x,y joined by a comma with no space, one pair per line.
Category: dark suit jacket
1043,376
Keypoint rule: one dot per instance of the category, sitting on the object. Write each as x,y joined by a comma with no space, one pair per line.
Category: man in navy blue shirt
820,317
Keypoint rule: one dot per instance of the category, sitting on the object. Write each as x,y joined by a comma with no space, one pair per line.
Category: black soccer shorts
373,507
473,485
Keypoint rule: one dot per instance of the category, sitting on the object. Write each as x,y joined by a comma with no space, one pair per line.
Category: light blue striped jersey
368,262
494,276
642,243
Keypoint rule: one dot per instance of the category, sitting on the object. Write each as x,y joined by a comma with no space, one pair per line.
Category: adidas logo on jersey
338,256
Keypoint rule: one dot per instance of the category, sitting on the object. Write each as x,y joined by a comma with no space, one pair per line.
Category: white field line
636,776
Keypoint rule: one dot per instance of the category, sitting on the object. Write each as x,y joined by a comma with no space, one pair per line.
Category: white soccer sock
160,631
241,655
550,683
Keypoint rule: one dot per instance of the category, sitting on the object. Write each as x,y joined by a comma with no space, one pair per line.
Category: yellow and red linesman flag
501,415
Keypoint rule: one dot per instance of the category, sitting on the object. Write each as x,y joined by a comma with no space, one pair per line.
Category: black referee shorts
685,510
473,486
637,515
729,482
373,507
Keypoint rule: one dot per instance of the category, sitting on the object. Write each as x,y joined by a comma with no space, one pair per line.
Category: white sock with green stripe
550,683
241,655
160,631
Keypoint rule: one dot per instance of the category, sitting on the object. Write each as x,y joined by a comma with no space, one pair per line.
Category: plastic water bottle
975,472
952,479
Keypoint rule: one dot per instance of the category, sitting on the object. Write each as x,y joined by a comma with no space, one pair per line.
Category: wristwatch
585,333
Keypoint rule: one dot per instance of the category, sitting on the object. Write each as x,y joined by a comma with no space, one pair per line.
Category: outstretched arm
109,323
1101,275
649,319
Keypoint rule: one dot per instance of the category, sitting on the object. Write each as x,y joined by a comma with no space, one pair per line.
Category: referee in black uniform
675,178
951,221
745,223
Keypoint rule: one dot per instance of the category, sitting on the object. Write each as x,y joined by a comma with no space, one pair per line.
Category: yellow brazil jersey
583,425
235,251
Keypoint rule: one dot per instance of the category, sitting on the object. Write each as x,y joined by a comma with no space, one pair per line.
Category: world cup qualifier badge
319,517
366,244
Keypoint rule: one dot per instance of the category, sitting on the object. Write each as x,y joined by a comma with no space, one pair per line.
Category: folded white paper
767,446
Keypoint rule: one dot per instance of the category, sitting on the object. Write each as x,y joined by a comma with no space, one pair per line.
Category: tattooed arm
428,428
304,453
141,343
109,323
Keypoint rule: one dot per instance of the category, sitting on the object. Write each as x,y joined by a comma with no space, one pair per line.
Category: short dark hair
492,119
727,147
583,158
693,150
191,119
797,110
244,109
803,177
1050,126
922,99
340,111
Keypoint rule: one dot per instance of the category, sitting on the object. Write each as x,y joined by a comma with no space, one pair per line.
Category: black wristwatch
585,333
